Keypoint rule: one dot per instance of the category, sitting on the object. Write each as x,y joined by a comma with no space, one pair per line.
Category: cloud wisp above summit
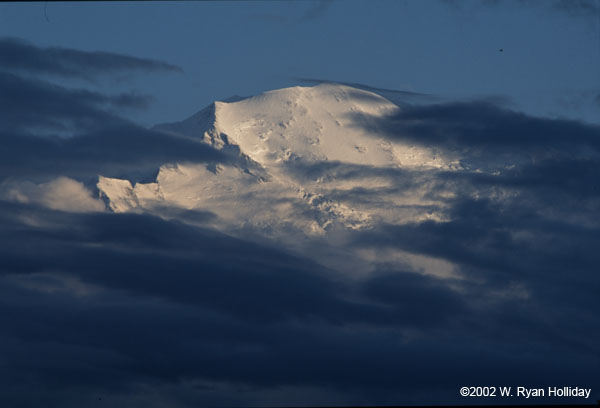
395,95
360,86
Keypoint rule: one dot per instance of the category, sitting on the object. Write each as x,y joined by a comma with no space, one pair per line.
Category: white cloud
62,193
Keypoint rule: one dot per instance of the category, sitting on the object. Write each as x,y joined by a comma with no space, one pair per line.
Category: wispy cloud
574,8
316,9
17,54
48,130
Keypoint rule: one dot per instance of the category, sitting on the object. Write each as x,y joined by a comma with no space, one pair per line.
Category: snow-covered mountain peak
302,154
311,123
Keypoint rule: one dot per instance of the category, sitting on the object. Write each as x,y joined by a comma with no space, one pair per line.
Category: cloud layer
22,56
135,310
48,129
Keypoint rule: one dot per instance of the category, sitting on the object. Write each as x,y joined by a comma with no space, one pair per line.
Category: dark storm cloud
526,231
192,266
551,161
32,104
410,292
29,104
22,56
50,130
483,126
511,241
551,180
550,164
95,304
541,270
539,229
110,151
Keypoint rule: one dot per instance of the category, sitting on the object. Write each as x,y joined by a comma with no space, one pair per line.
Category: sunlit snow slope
300,163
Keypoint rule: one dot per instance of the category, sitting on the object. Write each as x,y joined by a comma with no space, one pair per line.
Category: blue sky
549,64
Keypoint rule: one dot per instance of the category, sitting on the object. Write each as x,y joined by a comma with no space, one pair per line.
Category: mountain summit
299,154
313,124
